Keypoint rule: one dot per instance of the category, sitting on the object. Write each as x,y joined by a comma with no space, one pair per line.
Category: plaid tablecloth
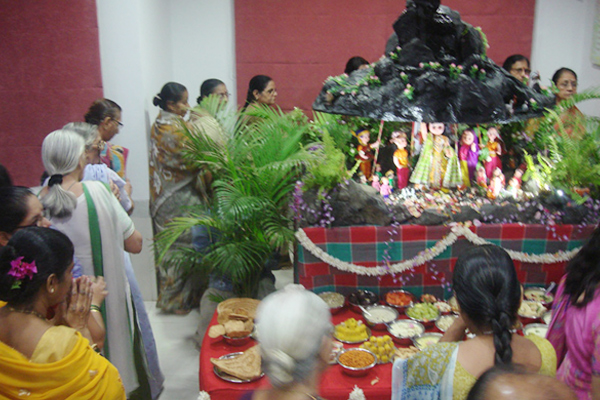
368,245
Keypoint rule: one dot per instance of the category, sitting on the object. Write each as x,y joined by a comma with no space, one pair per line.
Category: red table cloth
335,385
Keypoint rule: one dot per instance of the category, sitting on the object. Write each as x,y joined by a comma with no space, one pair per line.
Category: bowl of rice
334,300
403,330
377,317
445,321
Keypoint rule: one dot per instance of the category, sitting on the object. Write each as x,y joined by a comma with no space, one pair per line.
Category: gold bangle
95,308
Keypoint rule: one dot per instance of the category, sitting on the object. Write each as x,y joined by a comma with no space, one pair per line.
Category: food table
335,385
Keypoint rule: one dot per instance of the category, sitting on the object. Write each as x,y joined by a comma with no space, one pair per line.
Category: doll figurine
375,182
512,189
518,175
495,151
362,178
391,179
364,153
468,154
431,170
378,170
496,184
385,190
401,159
481,177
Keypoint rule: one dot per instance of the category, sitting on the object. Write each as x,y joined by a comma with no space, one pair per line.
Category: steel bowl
438,322
539,295
237,341
417,339
336,309
528,319
427,323
380,326
547,317
405,340
528,329
353,371
364,298
401,308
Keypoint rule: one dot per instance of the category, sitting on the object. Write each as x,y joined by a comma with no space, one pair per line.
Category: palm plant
254,171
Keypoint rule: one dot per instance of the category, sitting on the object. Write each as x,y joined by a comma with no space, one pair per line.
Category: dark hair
5,180
583,271
52,252
258,82
509,62
489,293
100,109
13,207
171,91
561,71
207,88
354,63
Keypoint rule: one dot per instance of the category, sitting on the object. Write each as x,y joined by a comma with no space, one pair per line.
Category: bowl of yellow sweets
351,331
382,347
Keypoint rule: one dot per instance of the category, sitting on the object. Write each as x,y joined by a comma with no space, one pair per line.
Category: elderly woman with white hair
295,329
100,229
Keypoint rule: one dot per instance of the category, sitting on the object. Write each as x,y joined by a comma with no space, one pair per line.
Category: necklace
31,312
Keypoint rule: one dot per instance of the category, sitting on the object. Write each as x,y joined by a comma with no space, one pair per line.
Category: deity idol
385,190
401,159
496,184
495,151
364,153
468,155
436,166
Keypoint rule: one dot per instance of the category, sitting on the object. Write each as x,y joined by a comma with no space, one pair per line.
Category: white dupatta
109,227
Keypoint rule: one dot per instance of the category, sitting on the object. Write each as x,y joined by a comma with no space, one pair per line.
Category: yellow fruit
385,358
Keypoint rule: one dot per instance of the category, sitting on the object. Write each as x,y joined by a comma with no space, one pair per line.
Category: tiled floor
177,351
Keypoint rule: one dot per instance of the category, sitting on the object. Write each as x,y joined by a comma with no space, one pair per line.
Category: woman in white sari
100,229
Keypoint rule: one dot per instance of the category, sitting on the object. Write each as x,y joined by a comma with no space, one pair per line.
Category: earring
52,290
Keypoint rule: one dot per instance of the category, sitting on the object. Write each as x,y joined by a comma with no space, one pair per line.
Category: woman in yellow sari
37,359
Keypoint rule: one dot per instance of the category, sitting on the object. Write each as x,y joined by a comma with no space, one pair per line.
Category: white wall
143,45
562,37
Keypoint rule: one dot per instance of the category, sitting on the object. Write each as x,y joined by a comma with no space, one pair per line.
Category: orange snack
398,298
356,359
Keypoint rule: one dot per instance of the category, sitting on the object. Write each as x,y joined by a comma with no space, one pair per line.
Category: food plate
355,342
233,379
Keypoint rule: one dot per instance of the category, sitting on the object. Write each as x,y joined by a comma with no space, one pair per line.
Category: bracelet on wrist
95,308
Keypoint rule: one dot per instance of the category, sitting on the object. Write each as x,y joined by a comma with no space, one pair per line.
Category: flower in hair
21,270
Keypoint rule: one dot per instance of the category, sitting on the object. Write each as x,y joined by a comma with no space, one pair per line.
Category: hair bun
157,100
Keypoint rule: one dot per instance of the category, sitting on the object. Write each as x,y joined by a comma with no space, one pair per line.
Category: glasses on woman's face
527,71
566,84
118,122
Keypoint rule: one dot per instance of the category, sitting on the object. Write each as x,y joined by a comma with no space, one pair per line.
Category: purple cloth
575,334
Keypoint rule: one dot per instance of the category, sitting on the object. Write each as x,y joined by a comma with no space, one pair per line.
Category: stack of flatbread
246,366
235,317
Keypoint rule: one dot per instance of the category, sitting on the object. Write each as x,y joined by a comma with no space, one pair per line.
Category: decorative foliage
455,71
395,54
343,86
254,172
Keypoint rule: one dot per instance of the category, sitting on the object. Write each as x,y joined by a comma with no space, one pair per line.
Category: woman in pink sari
575,328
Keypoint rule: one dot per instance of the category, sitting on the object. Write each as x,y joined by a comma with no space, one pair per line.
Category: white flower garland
428,254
